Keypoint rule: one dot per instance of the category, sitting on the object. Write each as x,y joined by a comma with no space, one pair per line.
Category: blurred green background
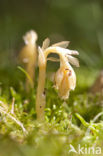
79,21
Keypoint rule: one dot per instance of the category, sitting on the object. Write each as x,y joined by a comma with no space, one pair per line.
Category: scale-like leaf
46,43
63,44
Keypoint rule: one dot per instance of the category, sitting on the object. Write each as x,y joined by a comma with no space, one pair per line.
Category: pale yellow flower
65,80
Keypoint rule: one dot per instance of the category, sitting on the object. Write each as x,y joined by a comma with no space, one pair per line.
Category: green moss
62,126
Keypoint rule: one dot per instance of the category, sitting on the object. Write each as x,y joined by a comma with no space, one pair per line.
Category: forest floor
75,122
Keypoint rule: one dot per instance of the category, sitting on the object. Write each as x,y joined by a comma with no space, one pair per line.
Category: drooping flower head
65,78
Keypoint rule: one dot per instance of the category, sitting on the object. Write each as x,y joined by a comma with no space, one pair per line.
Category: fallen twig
2,111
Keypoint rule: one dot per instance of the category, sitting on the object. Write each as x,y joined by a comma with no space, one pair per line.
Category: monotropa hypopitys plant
28,56
65,78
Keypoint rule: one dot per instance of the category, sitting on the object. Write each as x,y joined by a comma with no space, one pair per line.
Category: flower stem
40,99
31,67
